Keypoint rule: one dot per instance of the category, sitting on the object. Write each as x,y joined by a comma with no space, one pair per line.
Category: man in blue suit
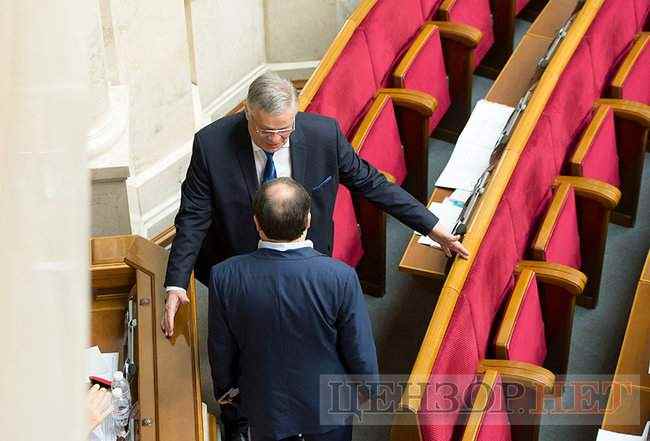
281,318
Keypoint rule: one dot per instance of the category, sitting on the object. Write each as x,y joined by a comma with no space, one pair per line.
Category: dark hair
282,216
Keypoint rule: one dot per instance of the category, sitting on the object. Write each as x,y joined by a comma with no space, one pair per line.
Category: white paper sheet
447,212
460,196
100,365
606,435
471,155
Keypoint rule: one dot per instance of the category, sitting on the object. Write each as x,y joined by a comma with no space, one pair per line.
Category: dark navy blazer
278,321
215,220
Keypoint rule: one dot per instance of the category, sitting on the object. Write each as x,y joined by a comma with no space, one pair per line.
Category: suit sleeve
192,221
355,341
364,179
223,351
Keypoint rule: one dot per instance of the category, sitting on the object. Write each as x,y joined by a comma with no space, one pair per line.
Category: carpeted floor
401,317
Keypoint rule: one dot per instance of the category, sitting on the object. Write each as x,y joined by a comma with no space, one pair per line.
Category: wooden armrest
482,402
445,9
390,178
629,110
605,194
421,102
459,32
526,374
587,139
412,53
629,62
369,121
569,279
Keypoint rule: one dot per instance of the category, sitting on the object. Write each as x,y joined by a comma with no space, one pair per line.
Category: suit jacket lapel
298,152
245,158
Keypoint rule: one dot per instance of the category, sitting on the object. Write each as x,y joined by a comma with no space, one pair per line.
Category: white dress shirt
282,161
285,246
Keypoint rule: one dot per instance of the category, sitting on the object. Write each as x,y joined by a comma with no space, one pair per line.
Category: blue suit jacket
278,321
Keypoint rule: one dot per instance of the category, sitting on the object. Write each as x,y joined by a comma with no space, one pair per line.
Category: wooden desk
629,410
423,260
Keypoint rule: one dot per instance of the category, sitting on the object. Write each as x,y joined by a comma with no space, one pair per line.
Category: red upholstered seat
349,86
476,13
452,373
382,146
427,73
570,105
641,8
495,425
528,341
601,158
529,190
389,28
429,8
347,237
564,243
491,276
520,5
611,32
636,87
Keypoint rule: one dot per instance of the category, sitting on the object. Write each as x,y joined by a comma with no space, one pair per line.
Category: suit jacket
215,220
281,324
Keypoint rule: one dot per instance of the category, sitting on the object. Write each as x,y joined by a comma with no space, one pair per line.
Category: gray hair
272,94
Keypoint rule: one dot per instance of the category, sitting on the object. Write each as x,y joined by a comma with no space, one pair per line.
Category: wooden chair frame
594,202
558,339
626,113
534,379
616,86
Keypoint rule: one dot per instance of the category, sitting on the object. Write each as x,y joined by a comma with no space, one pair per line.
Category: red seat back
349,86
389,28
382,146
635,87
347,237
427,74
429,8
476,13
601,160
528,341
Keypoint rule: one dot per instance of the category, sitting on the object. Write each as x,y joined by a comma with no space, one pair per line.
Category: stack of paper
100,365
471,155
606,435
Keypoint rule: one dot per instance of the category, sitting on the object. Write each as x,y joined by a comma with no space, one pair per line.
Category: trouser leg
234,426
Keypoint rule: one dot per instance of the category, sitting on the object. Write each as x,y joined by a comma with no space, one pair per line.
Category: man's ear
257,224
308,220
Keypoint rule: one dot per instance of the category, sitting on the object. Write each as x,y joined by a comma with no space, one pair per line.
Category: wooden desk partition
167,385
629,399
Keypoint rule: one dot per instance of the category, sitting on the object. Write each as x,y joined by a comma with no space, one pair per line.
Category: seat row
539,247
393,75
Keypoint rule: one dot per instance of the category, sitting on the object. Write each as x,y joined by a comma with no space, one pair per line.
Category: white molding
300,70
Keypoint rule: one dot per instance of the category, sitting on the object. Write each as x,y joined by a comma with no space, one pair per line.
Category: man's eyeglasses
269,133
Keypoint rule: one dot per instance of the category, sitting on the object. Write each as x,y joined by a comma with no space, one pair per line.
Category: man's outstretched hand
175,298
450,244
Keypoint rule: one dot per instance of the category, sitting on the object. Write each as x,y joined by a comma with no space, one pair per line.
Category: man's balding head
281,208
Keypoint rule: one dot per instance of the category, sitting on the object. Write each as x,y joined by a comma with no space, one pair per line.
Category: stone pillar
44,115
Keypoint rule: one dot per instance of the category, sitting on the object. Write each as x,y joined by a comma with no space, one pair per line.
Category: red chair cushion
641,8
427,74
611,32
520,5
475,13
635,87
601,160
429,8
491,277
382,147
496,423
564,245
451,376
529,190
349,87
528,340
389,28
347,237
569,107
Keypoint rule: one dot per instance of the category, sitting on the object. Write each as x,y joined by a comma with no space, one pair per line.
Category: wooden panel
110,249
107,324
628,409
423,260
551,19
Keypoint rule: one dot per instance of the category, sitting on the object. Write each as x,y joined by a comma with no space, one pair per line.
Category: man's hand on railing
450,244
175,298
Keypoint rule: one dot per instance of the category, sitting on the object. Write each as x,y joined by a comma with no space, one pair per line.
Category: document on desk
448,213
606,435
471,155
100,365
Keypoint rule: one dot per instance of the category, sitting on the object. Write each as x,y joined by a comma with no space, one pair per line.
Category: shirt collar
285,246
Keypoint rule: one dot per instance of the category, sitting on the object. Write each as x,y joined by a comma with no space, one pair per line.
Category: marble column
44,116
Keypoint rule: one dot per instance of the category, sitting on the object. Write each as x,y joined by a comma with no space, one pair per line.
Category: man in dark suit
283,320
233,155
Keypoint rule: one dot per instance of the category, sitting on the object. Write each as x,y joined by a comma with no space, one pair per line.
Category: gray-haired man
233,155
